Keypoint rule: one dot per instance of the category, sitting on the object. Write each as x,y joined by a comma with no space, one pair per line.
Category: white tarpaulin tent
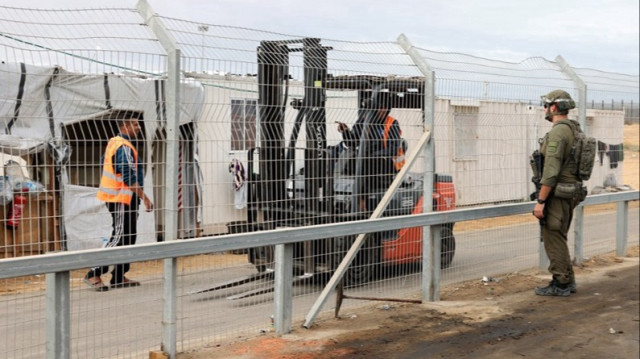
36,103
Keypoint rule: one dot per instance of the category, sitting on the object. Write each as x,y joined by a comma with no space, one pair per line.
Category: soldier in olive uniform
559,193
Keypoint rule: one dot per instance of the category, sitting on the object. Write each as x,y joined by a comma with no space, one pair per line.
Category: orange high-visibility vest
398,158
112,186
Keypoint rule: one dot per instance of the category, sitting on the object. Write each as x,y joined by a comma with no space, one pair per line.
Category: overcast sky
600,34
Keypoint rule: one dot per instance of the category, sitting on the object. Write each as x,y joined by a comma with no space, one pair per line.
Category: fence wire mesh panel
275,131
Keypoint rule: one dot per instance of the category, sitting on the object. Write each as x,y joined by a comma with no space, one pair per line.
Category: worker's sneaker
554,289
126,283
96,284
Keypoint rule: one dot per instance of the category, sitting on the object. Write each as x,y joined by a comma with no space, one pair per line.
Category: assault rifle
537,165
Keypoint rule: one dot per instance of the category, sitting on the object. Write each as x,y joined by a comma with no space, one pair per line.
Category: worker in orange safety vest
121,190
385,150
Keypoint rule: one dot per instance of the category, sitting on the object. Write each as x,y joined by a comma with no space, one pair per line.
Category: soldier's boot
554,289
573,288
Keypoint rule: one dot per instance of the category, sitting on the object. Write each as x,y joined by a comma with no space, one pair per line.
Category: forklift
325,189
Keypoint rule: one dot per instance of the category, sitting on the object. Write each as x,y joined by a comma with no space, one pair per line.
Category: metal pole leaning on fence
355,247
169,330
431,244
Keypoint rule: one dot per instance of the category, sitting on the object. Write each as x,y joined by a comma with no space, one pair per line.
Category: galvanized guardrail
67,261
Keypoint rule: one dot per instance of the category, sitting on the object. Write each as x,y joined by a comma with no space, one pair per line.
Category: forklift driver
384,155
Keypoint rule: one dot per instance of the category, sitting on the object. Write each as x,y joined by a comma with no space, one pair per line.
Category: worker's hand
538,211
148,204
342,127
363,205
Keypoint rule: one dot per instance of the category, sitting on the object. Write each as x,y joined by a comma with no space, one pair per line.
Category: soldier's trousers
558,216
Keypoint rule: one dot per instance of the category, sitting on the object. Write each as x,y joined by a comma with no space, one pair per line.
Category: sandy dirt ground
501,318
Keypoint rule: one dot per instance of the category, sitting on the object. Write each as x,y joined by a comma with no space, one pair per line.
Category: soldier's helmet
561,98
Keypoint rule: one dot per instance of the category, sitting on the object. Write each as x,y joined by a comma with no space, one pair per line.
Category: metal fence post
582,119
578,242
582,91
622,224
58,317
283,294
171,203
169,330
430,247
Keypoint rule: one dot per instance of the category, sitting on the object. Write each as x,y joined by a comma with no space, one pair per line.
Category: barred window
243,124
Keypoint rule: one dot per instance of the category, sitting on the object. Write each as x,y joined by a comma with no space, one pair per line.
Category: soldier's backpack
583,151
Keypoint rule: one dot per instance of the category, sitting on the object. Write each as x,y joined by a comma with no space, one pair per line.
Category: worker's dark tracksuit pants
124,230
558,216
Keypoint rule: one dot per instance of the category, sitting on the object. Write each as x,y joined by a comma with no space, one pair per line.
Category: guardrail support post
543,260
622,228
58,318
578,242
283,293
431,249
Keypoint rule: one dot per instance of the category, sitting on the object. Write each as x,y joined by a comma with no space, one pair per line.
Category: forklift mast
273,69
276,157
273,76
313,105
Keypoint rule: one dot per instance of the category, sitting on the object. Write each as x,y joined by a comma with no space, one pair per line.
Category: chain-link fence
252,131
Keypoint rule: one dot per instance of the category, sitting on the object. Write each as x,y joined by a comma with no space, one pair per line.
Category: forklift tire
259,257
365,266
253,258
448,248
